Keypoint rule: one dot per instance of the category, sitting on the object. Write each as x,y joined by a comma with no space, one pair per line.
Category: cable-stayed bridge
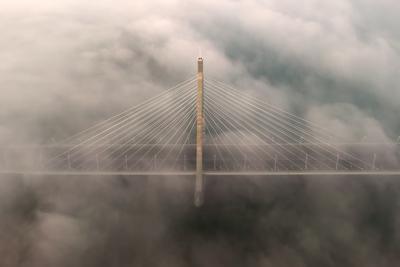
204,127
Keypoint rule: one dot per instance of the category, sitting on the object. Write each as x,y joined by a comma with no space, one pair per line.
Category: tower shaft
199,183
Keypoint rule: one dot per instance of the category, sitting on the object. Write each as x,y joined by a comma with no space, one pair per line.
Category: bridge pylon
199,183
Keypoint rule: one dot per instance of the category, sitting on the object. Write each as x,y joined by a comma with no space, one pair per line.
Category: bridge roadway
206,173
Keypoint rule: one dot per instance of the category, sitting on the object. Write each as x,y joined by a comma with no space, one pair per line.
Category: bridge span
205,173
203,127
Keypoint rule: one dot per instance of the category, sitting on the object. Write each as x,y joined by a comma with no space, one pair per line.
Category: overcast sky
67,64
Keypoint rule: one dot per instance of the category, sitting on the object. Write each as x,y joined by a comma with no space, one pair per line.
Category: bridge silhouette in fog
204,127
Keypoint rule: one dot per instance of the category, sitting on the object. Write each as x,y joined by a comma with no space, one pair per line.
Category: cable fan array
241,133
153,135
246,133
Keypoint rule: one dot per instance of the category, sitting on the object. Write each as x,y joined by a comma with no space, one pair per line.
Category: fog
66,65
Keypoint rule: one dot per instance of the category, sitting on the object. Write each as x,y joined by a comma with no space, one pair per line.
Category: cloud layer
87,60
68,64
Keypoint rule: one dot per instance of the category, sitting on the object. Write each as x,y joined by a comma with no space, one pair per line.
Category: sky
65,65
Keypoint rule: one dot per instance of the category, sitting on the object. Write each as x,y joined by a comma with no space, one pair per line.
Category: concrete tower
199,183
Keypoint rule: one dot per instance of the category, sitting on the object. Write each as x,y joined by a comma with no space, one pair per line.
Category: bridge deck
209,173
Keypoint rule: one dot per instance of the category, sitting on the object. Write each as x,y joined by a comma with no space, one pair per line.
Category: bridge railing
216,158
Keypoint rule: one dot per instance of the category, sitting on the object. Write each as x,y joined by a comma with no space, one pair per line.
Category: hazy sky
336,62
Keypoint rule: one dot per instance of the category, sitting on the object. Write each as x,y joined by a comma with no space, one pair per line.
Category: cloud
68,64
73,58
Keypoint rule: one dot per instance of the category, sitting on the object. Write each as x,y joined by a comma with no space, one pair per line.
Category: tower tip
200,65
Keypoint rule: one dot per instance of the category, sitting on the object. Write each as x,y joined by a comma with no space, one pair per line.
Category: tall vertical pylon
199,183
